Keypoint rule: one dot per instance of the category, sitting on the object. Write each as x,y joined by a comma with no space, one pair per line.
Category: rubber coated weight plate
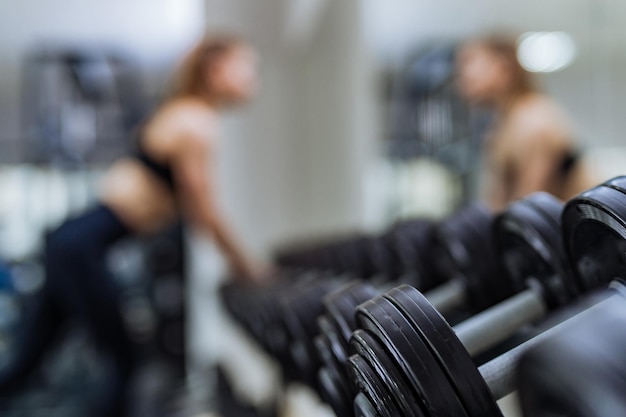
411,244
594,235
531,247
380,258
365,344
329,332
300,314
549,205
329,358
322,346
341,305
485,285
465,240
363,407
340,313
373,398
409,352
334,393
462,374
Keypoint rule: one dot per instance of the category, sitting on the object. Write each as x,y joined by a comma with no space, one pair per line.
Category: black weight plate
453,235
341,304
594,234
465,238
340,311
332,340
334,394
377,401
322,346
485,286
411,245
363,407
300,312
549,205
530,248
328,357
380,257
365,344
461,371
341,380
362,293
340,375
411,354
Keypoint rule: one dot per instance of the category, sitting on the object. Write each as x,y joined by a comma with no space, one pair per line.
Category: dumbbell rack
403,359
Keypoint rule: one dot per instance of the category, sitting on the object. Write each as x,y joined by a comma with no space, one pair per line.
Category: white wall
293,162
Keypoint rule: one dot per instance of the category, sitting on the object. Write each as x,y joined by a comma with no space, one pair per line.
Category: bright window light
546,51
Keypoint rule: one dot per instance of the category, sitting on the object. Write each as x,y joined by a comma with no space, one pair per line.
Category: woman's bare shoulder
185,120
539,112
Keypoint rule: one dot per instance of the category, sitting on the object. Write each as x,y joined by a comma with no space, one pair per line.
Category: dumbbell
423,366
301,325
400,328
467,259
579,372
469,215
281,317
336,325
529,240
263,310
301,309
401,254
595,241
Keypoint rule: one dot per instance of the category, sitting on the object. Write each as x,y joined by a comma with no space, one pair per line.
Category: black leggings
78,286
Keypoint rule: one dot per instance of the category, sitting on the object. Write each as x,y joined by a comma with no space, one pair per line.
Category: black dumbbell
299,311
528,238
466,256
276,318
404,339
402,254
580,372
594,233
336,325
406,327
411,248
529,233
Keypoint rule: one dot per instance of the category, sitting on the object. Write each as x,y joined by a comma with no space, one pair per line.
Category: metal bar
499,373
496,324
448,296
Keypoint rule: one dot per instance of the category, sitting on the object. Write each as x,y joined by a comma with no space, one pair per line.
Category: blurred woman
530,144
169,173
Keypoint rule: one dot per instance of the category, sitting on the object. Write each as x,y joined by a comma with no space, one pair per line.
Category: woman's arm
194,174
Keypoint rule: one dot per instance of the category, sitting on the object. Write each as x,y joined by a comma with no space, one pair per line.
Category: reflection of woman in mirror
170,173
530,145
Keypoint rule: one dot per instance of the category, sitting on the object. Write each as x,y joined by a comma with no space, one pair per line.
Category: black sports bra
161,170
568,162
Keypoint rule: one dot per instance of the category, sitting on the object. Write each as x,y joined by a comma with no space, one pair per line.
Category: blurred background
357,124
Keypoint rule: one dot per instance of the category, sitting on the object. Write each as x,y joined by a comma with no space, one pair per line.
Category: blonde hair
190,79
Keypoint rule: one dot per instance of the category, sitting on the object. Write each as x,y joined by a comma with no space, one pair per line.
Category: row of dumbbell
526,237
460,250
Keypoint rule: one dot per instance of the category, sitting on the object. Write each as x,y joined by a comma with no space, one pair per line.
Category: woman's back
132,188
